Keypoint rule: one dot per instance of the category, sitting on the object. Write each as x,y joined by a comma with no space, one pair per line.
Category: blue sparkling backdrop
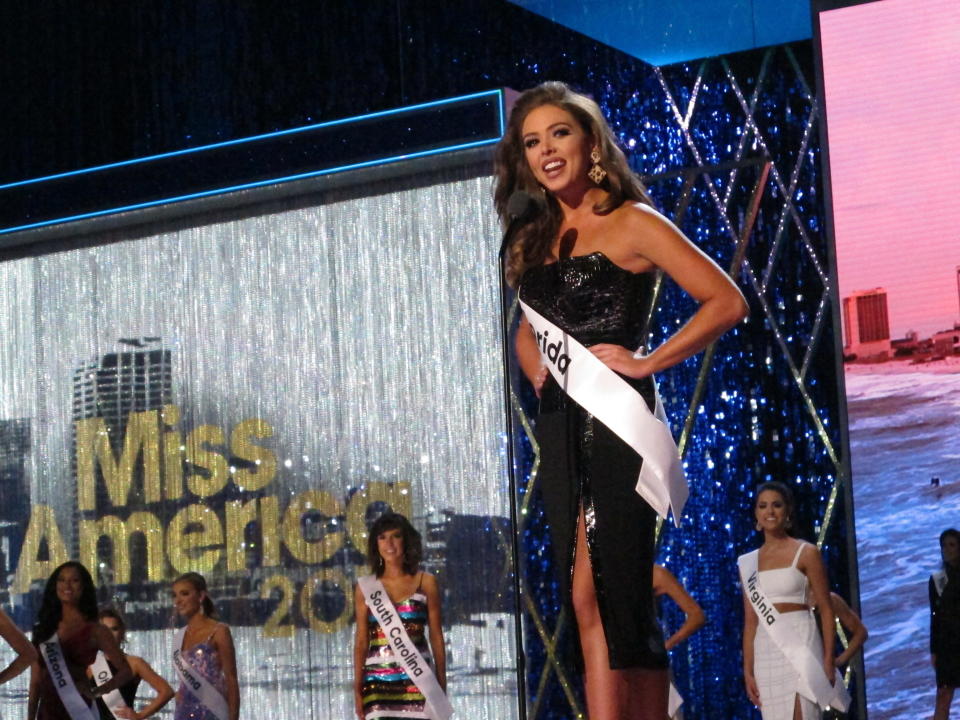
754,421
137,79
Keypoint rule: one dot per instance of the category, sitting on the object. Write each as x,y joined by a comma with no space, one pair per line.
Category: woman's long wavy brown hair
532,242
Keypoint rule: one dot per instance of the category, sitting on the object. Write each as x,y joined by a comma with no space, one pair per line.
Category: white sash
612,400
813,684
196,683
414,664
102,674
76,707
674,701
939,581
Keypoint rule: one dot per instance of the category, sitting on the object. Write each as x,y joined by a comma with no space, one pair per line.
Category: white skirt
777,681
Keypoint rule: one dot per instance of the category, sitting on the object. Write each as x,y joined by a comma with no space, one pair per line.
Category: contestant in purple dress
206,647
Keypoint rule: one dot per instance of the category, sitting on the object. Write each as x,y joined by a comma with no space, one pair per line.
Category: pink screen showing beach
892,92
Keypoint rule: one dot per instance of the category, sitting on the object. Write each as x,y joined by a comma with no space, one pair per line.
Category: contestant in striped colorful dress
382,689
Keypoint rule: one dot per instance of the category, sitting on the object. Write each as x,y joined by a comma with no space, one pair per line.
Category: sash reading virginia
414,664
198,685
76,706
611,399
814,684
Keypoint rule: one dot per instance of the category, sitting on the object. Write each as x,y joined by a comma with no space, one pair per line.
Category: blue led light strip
279,133
246,186
496,95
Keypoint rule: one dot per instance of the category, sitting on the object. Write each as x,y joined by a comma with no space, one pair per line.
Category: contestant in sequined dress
113,621
382,689
587,263
69,609
792,576
207,647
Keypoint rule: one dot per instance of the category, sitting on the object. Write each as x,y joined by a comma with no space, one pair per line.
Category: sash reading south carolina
404,650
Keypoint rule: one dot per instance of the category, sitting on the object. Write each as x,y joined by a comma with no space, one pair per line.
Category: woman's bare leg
944,698
648,694
604,687
636,694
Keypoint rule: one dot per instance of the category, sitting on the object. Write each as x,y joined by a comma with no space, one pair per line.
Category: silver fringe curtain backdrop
240,398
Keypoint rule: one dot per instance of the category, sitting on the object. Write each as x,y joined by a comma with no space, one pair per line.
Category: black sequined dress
583,462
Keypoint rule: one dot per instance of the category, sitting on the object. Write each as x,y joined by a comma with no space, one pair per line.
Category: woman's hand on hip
623,360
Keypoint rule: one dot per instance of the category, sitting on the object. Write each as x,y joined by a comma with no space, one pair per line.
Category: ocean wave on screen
910,631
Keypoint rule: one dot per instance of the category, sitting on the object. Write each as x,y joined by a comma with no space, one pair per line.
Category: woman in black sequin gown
586,262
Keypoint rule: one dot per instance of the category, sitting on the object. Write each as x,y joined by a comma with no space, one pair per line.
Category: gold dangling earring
757,526
597,173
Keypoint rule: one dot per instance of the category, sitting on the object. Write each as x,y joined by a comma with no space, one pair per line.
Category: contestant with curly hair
398,593
585,267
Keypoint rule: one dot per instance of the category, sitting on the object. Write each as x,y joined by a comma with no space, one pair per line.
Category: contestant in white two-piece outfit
788,670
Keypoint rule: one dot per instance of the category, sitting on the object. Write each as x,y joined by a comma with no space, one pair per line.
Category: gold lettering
265,460
120,534
172,454
142,437
396,495
270,530
199,454
191,548
311,551
325,576
239,515
42,526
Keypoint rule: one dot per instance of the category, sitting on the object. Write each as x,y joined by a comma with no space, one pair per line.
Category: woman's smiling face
557,148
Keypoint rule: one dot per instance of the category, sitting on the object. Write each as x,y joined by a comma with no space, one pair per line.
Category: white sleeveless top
786,584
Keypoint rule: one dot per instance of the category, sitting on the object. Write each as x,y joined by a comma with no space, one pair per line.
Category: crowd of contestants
69,615
381,687
585,250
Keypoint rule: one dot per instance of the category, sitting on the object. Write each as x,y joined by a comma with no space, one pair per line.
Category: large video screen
892,98
241,398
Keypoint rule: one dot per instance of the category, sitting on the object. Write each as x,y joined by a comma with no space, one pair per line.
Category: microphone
521,207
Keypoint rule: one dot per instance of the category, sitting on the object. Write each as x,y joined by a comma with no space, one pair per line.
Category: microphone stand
506,302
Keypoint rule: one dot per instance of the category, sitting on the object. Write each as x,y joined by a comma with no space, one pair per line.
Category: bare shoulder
429,582
222,631
641,219
808,553
661,577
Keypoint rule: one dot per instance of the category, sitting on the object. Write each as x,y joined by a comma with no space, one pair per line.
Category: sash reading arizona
67,691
